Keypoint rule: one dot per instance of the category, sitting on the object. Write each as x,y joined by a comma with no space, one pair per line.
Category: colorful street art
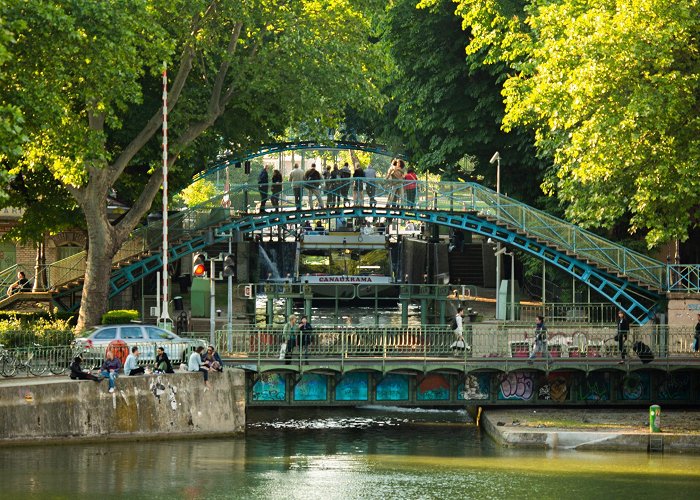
311,387
555,387
635,386
516,385
596,387
433,388
270,387
393,387
475,387
674,387
353,386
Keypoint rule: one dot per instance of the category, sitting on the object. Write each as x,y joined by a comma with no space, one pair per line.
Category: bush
31,316
19,331
120,316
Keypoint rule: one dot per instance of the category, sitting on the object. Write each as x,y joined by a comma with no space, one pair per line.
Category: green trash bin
654,418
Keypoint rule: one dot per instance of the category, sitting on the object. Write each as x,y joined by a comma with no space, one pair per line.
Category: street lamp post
512,284
496,158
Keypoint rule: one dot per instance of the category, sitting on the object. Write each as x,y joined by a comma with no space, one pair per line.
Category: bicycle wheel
36,366
9,366
57,366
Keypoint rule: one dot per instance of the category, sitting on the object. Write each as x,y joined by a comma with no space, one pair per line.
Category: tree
612,91
86,76
445,105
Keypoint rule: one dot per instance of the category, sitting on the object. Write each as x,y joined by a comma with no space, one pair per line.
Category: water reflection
365,453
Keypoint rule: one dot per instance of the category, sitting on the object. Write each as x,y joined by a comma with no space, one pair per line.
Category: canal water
343,454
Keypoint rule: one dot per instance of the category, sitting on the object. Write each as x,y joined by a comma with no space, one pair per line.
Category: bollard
654,418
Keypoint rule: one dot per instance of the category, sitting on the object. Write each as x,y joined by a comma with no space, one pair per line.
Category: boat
348,265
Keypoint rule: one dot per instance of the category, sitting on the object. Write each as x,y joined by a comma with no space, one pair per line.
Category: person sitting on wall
163,364
195,364
21,285
212,361
110,368
131,366
77,373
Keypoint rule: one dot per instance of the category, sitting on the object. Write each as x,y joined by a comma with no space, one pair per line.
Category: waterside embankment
47,409
593,429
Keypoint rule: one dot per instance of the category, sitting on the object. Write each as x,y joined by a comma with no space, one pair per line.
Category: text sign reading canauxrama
345,279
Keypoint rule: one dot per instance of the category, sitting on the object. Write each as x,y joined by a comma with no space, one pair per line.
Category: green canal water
353,454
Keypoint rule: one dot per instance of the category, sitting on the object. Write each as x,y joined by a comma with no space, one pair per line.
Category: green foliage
196,193
120,316
23,330
612,92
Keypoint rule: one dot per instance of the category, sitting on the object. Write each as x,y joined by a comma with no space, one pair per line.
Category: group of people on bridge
335,185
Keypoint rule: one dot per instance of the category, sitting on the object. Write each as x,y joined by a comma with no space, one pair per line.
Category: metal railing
425,342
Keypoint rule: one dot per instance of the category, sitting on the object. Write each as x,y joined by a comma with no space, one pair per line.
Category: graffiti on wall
353,386
270,387
433,387
636,386
475,387
311,387
554,387
516,385
674,387
595,387
393,387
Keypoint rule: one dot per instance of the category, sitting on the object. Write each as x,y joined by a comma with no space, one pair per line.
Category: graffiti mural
554,387
433,388
516,385
596,387
311,387
674,387
636,386
393,388
475,387
353,386
270,387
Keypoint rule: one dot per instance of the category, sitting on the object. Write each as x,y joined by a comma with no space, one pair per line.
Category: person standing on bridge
696,340
540,344
411,186
359,185
305,330
263,186
276,188
370,184
296,177
332,193
289,338
344,185
458,330
313,185
623,329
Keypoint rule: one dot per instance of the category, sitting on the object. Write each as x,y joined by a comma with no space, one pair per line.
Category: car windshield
159,334
105,334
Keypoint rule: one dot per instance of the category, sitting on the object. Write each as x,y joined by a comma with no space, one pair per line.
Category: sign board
248,291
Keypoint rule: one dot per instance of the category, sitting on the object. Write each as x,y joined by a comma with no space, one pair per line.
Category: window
65,251
132,332
106,334
158,334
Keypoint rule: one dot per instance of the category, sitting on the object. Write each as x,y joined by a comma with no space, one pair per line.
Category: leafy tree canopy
612,91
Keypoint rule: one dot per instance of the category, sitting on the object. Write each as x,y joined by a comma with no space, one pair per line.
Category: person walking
296,178
623,329
313,185
131,365
410,187
458,330
289,339
540,344
276,188
263,187
696,342
110,368
370,184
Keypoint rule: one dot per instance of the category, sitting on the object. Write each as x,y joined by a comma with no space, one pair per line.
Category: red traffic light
199,270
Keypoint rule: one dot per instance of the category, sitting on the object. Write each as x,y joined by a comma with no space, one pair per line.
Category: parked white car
147,337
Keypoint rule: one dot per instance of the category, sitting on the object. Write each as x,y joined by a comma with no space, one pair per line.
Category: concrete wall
683,309
145,406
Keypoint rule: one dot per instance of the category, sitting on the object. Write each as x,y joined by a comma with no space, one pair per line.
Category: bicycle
11,362
6,362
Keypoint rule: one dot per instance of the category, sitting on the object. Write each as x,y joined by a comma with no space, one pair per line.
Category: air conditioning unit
154,311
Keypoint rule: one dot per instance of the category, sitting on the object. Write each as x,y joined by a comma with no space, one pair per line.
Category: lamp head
495,158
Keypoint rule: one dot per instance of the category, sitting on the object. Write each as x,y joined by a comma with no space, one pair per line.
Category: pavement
594,429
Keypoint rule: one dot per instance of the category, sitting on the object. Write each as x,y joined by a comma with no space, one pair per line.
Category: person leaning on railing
21,285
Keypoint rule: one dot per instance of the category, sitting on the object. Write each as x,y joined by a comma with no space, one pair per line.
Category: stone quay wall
144,407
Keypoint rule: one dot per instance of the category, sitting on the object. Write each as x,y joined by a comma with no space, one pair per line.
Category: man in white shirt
195,364
131,365
296,177
458,330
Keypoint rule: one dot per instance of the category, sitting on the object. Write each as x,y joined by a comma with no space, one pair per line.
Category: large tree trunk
102,246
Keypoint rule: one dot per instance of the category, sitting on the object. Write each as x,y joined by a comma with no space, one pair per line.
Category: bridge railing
480,341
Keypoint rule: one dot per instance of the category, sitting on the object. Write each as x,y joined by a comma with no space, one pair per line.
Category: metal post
544,283
229,305
512,286
212,305
164,318
497,159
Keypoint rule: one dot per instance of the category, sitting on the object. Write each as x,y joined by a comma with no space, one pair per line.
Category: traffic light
199,266
229,265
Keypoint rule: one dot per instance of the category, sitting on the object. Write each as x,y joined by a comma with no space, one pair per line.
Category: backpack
453,323
344,174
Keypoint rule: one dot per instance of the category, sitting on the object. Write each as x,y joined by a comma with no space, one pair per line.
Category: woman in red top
410,186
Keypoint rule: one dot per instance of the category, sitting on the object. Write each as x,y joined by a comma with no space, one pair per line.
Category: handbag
283,350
